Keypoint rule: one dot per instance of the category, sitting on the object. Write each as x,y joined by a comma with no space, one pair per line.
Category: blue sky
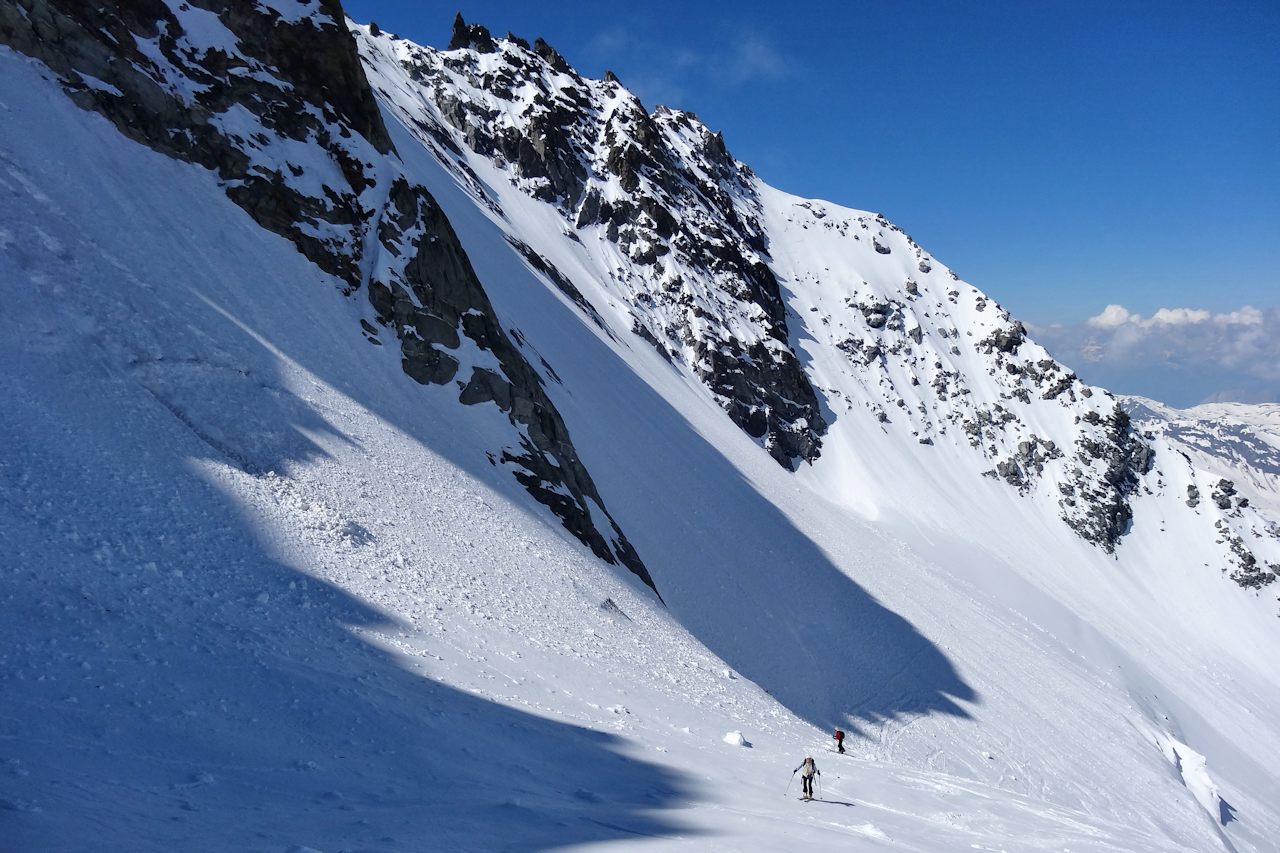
1061,156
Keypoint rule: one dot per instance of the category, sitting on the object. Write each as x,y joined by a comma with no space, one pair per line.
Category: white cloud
1178,317
1115,316
1182,355
1246,316
1111,317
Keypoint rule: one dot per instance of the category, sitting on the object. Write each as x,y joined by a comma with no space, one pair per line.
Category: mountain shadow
170,681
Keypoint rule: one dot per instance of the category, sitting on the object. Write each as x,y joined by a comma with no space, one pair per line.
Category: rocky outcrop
1245,569
1022,468
1097,507
277,105
470,37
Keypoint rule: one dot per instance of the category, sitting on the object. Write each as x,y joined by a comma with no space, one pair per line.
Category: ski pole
789,781
819,786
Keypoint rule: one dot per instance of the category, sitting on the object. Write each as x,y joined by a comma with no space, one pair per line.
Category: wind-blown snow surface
262,590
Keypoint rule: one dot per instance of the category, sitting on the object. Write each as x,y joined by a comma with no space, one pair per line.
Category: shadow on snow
169,681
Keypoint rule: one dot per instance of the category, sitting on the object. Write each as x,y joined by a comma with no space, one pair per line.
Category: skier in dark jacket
807,771
839,736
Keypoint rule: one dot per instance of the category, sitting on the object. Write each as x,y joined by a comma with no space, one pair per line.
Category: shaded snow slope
196,656
276,104
263,589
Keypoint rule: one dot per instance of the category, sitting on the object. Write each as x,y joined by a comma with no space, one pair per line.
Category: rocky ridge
680,225
275,101
935,361
660,188
684,249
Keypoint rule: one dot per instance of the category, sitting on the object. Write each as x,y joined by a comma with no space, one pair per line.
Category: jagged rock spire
473,36
551,55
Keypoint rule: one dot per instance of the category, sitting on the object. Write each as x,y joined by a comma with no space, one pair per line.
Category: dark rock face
1098,508
1005,340
687,222
1027,463
1223,493
325,105
301,81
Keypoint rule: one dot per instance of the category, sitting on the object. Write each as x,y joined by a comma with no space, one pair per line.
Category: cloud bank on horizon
1180,356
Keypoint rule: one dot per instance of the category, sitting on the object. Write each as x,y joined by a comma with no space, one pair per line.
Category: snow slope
263,591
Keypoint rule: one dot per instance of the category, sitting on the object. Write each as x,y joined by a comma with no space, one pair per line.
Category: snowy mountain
1234,451
795,313
361,395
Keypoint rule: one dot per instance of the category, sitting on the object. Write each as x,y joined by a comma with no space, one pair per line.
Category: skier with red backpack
839,737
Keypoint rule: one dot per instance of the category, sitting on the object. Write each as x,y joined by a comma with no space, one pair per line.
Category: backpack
839,735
